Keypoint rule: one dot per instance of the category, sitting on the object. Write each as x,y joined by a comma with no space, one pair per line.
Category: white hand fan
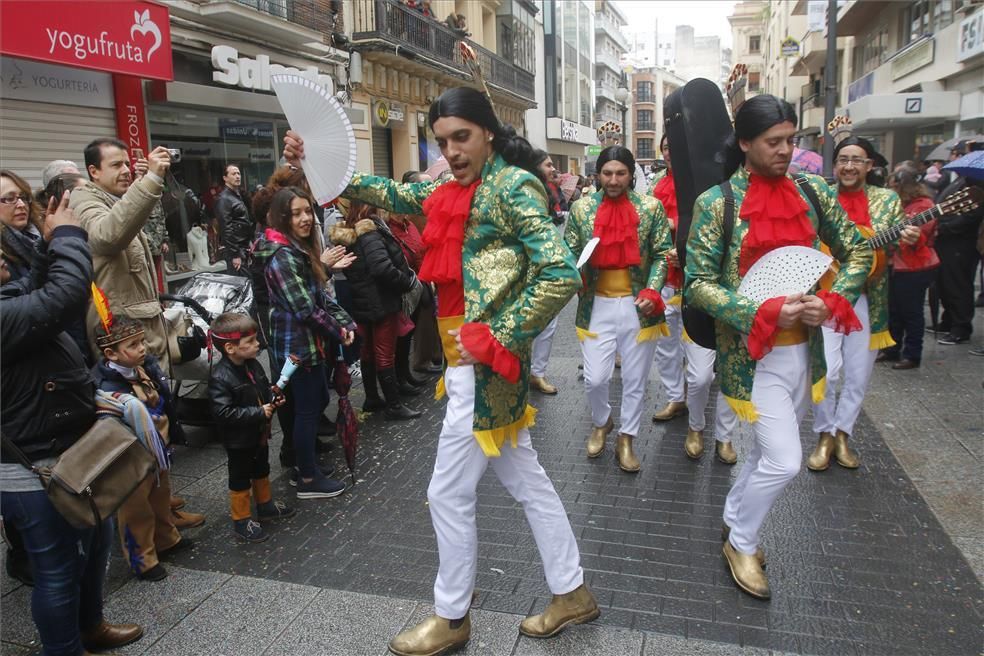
329,142
784,271
588,250
641,182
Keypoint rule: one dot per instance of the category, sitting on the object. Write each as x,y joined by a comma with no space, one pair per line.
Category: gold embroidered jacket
654,242
518,274
711,285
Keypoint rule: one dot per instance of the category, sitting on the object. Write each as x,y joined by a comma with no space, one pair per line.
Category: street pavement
879,560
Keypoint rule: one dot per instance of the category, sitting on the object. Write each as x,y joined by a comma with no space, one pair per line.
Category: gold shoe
431,637
747,572
596,441
759,552
576,607
725,452
694,444
672,409
846,457
819,460
540,384
627,460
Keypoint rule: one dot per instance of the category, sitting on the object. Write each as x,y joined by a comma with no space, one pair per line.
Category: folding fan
329,142
784,271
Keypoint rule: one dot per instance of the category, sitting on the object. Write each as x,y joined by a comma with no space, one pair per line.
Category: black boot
403,372
373,402
391,390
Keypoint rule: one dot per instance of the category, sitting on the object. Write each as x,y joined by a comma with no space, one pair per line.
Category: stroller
192,309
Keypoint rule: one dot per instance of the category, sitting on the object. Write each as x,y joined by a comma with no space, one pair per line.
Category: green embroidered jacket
711,287
518,274
654,242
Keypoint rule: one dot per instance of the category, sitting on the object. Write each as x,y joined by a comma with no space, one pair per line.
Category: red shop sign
132,37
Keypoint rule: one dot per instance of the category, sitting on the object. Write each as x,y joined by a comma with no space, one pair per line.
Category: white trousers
850,357
452,497
541,349
697,373
616,324
781,394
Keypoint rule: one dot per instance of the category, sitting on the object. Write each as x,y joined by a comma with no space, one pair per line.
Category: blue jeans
906,312
310,386
69,567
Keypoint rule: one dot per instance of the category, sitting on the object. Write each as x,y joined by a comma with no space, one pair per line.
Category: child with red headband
242,405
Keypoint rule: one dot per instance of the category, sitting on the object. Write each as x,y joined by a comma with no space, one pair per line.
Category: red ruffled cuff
765,328
842,317
478,340
652,295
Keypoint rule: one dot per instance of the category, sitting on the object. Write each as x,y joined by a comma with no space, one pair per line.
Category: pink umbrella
806,161
437,168
568,183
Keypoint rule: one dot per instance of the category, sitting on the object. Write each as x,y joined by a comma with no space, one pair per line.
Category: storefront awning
131,37
888,111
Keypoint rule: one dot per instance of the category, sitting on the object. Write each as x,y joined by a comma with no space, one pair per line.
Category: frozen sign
255,74
127,37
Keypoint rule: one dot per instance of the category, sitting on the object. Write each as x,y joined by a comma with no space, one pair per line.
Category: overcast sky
708,17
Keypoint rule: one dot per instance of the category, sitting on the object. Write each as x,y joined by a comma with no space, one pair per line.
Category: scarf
776,215
617,226
665,192
447,210
135,415
855,203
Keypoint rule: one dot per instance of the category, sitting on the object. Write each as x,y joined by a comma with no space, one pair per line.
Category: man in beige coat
113,209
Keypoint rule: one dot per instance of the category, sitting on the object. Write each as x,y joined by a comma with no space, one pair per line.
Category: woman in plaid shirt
303,323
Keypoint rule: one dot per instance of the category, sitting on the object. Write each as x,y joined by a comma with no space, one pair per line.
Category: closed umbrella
346,423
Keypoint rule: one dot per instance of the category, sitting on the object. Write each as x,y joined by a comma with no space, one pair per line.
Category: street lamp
624,97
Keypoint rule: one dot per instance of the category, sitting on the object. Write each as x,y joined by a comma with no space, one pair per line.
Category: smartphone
136,154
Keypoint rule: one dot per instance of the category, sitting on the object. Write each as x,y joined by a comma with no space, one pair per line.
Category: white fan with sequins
784,271
329,141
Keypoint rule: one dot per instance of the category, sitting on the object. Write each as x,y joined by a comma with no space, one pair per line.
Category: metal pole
830,88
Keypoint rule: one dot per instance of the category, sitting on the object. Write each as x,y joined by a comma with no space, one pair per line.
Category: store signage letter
248,73
131,37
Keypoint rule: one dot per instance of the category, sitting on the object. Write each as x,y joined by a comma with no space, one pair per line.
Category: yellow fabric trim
685,337
880,340
797,334
745,410
584,333
819,390
449,343
614,283
676,299
653,332
440,390
492,440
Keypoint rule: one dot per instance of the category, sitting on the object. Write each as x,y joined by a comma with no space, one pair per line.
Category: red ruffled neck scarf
855,203
776,215
617,226
665,192
447,210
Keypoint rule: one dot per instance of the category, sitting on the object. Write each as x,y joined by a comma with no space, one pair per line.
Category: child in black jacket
242,405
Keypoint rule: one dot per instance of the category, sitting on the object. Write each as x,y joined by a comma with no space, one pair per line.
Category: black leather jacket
236,229
236,402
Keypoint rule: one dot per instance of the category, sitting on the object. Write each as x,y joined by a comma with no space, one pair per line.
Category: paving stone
584,639
663,645
492,634
17,626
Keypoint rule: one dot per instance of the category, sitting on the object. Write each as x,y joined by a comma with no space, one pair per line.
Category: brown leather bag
94,476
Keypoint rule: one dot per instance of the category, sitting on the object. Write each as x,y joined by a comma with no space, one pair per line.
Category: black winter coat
48,396
237,402
236,229
110,380
380,275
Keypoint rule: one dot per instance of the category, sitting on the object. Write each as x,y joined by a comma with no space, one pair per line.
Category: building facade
650,87
611,45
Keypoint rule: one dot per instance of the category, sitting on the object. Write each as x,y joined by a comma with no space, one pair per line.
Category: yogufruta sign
255,74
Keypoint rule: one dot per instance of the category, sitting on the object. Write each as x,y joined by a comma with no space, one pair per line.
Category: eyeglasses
12,200
856,161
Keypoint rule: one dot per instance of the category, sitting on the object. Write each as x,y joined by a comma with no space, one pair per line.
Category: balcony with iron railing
421,37
645,126
309,24
645,98
323,16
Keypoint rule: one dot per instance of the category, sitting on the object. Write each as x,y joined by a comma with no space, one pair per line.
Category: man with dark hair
236,228
770,354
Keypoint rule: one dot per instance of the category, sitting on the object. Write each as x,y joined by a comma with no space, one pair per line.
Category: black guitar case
697,127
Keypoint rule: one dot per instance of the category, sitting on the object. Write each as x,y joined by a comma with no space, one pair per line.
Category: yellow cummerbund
797,334
448,342
614,283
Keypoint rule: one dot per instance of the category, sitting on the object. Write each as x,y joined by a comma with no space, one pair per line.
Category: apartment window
755,44
644,119
644,149
915,21
754,80
870,52
644,92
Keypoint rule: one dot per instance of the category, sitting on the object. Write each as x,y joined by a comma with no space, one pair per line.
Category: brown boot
627,460
184,519
433,636
177,503
576,607
693,446
819,460
109,636
846,457
672,410
596,441
540,384
747,572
